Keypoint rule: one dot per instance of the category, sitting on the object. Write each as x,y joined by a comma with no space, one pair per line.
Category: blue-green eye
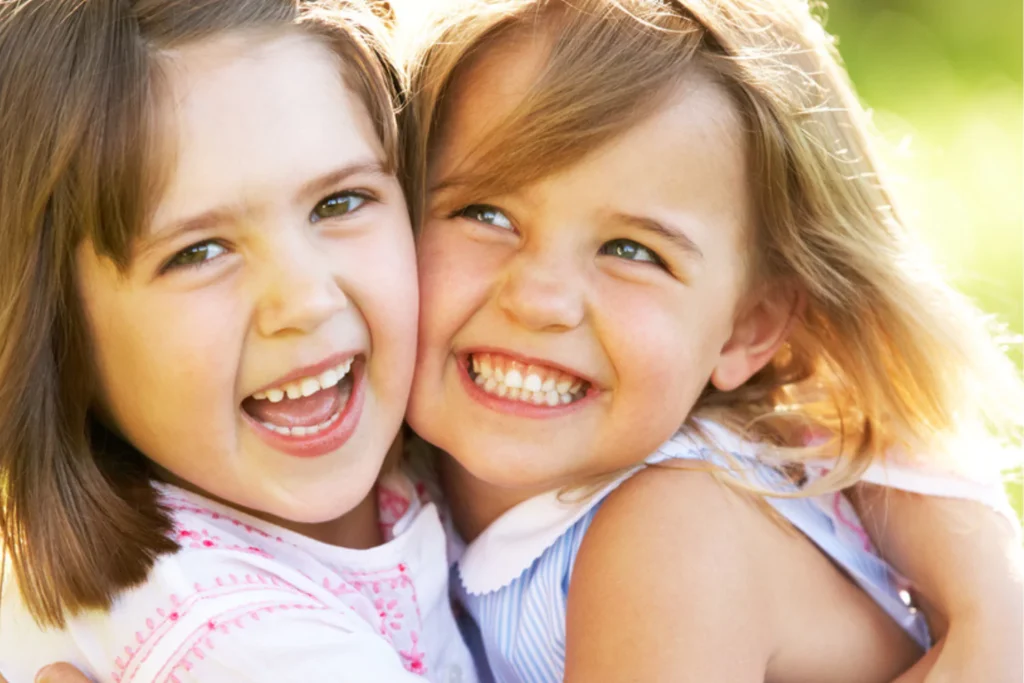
195,255
483,213
630,251
340,204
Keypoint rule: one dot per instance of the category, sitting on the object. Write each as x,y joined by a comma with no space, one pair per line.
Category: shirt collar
510,545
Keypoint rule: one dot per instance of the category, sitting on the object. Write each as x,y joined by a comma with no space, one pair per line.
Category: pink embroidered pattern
840,513
160,623
388,599
393,506
200,642
202,539
182,505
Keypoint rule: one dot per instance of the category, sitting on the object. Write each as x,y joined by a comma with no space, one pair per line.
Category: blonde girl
206,346
657,227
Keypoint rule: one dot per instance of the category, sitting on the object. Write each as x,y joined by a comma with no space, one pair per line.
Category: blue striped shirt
514,579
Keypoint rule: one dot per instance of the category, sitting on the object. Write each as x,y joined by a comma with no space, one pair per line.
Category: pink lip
327,440
310,370
518,408
466,353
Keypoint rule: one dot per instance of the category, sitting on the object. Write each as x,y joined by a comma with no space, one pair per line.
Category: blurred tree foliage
944,80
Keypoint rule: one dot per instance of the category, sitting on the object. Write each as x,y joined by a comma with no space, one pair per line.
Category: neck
359,528
475,504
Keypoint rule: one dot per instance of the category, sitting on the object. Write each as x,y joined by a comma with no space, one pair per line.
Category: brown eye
195,255
337,205
482,213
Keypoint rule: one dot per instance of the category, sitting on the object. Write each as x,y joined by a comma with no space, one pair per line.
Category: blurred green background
943,78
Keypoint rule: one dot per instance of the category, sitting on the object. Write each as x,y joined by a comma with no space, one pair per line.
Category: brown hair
79,518
886,356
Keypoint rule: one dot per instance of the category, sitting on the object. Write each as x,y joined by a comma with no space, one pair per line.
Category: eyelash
364,198
170,265
469,210
655,259
474,211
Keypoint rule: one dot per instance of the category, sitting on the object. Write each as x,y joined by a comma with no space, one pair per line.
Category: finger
61,673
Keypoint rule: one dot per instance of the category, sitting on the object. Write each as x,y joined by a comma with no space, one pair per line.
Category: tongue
298,412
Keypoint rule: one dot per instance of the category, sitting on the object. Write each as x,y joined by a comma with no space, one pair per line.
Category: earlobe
757,335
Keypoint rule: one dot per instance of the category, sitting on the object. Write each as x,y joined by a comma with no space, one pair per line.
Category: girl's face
260,346
567,328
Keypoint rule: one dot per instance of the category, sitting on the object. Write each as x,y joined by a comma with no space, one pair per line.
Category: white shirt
244,600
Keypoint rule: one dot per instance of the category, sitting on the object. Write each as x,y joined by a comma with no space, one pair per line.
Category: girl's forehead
247,118
495,109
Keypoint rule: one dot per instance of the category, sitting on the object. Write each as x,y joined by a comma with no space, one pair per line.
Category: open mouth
307,406
529,383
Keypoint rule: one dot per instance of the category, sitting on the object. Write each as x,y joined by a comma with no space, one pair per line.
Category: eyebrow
336,177
672,234
207,219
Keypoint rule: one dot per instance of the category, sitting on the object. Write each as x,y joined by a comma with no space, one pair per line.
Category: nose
542,294
299,293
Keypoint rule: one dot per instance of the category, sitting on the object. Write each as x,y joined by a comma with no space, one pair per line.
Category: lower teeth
302,431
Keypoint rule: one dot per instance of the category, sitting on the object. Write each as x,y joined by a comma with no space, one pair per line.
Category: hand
57,673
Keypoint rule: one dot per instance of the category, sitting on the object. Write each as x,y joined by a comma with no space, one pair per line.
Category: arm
662,592
967,567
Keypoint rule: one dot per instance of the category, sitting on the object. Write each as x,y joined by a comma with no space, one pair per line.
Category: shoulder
673,565
683,514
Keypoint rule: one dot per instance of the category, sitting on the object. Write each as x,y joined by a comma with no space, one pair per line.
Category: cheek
455,276
378,273
663,344
389,283
136,341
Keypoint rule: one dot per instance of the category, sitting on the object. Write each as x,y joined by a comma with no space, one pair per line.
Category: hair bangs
588,91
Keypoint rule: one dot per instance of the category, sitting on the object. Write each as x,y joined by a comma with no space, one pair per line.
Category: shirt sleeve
985,487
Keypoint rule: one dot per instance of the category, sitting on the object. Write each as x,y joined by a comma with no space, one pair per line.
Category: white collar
515,540
511,544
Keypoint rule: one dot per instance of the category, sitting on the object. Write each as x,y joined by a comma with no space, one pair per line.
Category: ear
760,329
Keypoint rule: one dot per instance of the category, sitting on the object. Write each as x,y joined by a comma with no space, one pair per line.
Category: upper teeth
528,383
307,386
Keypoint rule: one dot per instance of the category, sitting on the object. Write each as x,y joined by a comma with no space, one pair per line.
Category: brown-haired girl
657,227
206,345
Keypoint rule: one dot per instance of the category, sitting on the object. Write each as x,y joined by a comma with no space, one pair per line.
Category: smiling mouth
306,406
533,384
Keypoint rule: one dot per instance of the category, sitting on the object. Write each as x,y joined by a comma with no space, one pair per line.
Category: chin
314,505
523,467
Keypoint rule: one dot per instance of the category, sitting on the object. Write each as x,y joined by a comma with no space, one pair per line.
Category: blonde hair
886,356
79,517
